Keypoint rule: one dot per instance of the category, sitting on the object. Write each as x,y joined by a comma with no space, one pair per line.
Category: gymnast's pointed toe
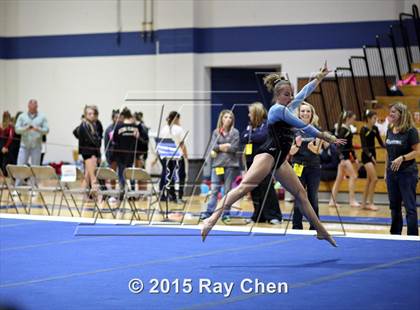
329,239
205,230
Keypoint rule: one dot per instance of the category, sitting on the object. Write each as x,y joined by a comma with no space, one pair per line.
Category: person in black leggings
347,158
402,145
174,131
368,134
124,138
264,197
306,162
89,145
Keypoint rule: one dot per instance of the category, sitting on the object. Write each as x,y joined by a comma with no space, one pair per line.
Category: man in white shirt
32,126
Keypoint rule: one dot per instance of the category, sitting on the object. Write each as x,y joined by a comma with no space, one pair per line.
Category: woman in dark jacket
89,145
14,147
7,134
125,135
306,161
263,196
108,142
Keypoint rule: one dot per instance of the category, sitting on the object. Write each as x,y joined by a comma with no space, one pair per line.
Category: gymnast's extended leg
291,183
260,168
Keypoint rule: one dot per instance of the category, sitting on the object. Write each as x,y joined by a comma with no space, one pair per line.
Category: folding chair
107,174
131,194
70,190
46,180
20,172
4,187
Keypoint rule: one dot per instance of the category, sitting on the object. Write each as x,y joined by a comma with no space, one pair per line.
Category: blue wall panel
198,40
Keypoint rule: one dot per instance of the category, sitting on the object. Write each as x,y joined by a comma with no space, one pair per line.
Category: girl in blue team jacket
272,154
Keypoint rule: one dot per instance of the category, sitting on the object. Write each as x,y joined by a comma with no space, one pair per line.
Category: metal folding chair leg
1,200
155,193
24,205
44,204
53,204
13,203
1,195
75,204
110,209
96,208
8,195
63,197
134,211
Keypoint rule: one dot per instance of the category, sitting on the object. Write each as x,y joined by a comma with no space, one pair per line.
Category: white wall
2,18
2,85
295,63
224,13
175,14
46,17
64,85
2,74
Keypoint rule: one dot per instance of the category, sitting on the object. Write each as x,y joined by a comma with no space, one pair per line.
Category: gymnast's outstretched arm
296,122
305,92
282,113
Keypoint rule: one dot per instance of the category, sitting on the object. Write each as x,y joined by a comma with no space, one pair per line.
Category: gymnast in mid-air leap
272,154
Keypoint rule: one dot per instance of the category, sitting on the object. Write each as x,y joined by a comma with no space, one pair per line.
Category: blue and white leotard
281,120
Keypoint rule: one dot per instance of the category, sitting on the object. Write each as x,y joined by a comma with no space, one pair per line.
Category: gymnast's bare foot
207,226
322,234
328,238
210,222
334,205
370,207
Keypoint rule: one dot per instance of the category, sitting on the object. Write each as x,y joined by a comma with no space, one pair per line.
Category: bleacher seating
411,98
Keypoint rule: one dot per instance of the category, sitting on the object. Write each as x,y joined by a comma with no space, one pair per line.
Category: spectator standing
31,125
347,159
225,163
403,146
264,195
108,139
89,145
174,131
306,161
125,141
14,147
7,134
368,134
